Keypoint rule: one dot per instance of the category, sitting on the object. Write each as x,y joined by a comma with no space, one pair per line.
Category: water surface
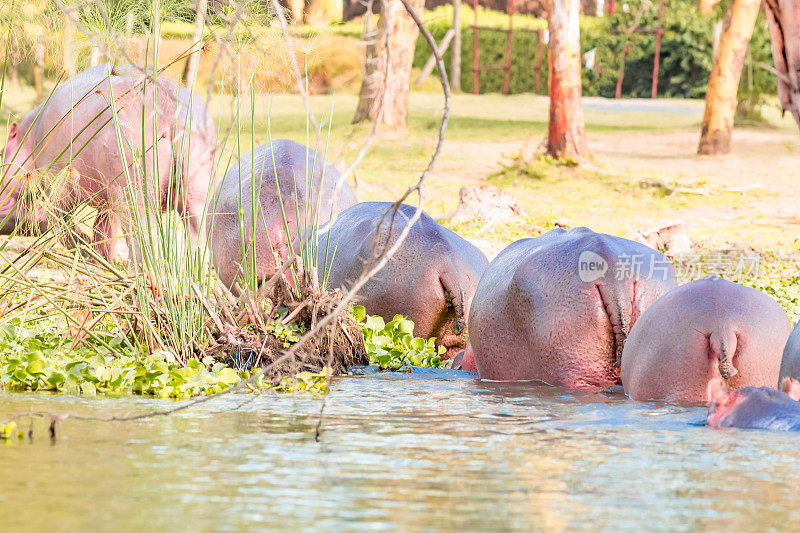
433,450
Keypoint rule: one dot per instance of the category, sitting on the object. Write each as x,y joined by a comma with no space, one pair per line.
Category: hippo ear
12,132
791,387
717,392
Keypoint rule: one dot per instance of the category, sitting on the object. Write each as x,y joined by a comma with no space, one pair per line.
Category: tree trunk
38,66
94,56
716,37
784,27
296,9
190,68
707,6
387,71
566,137
130,43
69,40
715,137
455,64
13,60
320,12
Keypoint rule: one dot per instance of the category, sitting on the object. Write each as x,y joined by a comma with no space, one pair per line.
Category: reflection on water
427,449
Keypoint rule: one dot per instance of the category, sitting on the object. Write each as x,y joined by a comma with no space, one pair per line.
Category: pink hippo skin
558,308
280,165
430,279
790,362
74,131
702,330
465,360
754,407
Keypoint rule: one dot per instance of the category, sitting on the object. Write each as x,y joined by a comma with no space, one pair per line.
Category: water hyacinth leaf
359,313
375,323
229,376
36,367
392,345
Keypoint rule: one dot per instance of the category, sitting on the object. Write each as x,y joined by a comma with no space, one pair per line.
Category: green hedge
686,52
492,49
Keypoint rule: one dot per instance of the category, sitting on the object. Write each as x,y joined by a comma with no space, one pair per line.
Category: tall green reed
161,299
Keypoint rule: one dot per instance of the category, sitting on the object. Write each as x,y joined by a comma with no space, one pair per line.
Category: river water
432,450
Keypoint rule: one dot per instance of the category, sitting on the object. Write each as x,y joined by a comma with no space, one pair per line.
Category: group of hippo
565,308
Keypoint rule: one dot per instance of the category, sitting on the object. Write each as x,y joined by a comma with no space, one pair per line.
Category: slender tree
455,64
296,9
566,137
784,26
320,12
387,69
706,6
190,67
723,84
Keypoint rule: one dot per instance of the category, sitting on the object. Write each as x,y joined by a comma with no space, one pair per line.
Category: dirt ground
763,169
750,196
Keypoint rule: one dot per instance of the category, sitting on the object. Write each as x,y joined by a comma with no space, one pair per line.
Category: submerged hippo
73,135
558,308
702,330
790,362
431,278
754,407
277,174
465,360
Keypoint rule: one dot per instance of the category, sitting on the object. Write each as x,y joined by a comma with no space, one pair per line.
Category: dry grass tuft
243,337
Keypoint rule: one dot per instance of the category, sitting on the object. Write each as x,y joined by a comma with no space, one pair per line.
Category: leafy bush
392,345
492,48
685,62
686,52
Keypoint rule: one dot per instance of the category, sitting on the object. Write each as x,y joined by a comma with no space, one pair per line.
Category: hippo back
307,166
278,173
558,307
756,408
790,362
430,279
705,329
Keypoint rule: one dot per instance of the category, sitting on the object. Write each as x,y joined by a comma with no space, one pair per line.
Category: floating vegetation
393,346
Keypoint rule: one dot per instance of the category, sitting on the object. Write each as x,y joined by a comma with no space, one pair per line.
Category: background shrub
686,51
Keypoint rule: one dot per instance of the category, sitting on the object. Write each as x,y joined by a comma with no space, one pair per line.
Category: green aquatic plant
10,431
392,345
289,333
44,359
314,382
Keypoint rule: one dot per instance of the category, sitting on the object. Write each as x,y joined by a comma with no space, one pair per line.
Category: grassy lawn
635,143
737,198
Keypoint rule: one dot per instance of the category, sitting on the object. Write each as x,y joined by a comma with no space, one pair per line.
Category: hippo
280,171
754,407
430,279
790,362
704,329
465,360
558,308
73,134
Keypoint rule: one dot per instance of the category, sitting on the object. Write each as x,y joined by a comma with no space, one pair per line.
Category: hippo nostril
459,326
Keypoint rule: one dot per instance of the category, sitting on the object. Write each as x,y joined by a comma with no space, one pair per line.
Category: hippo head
15,166
792,388
739,408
